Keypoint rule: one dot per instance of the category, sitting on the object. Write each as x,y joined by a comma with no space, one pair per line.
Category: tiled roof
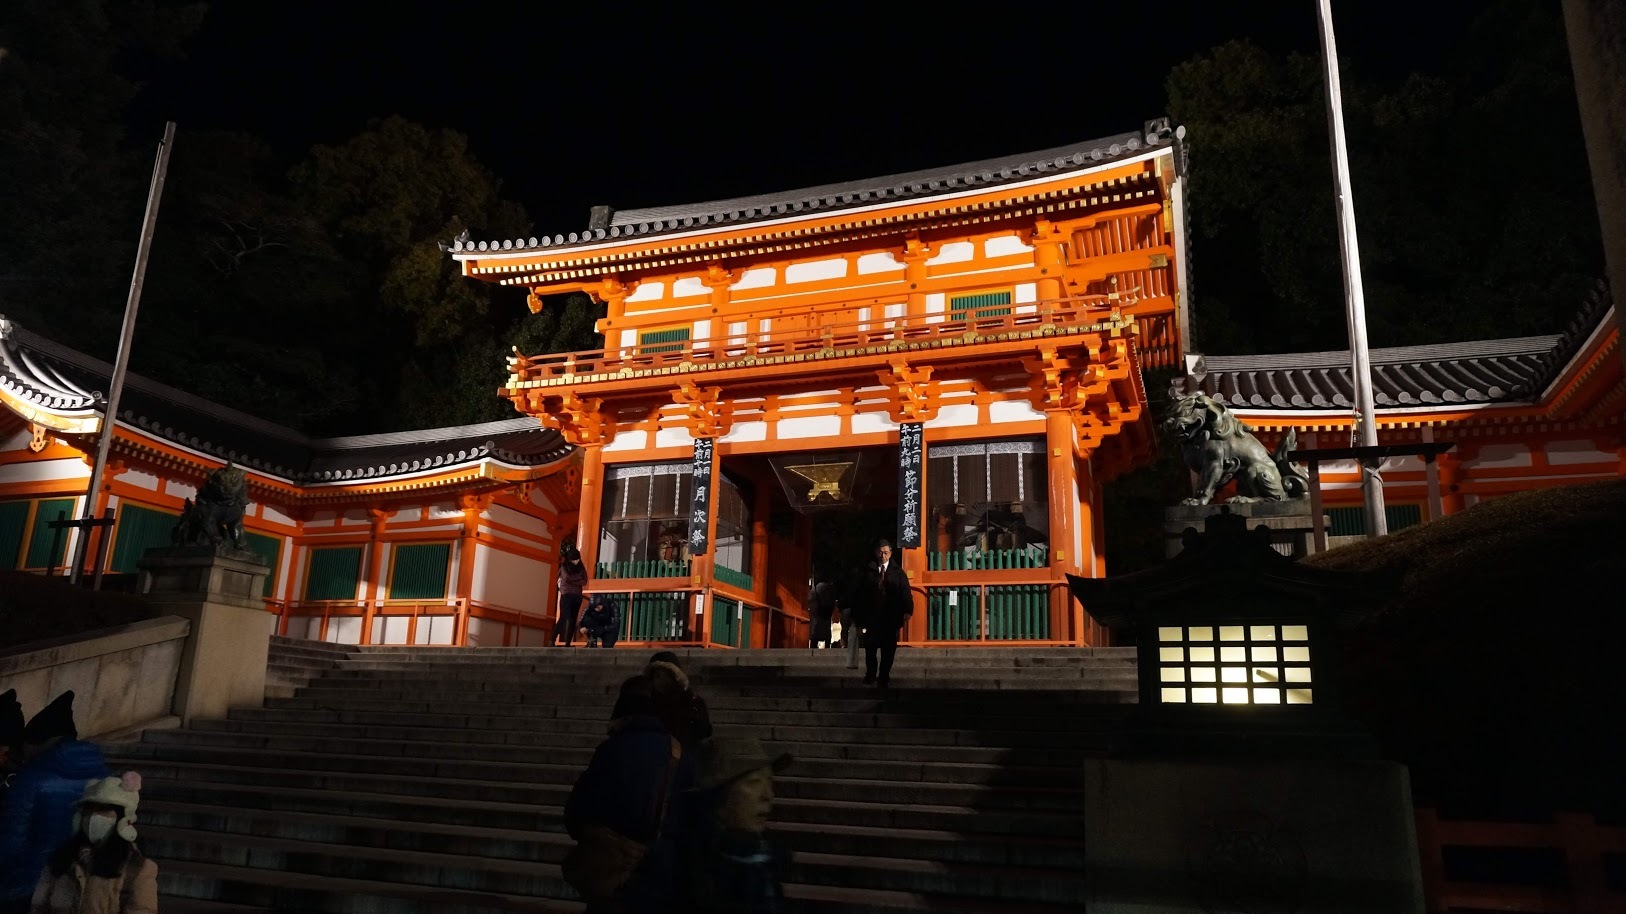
1485,371
913,185
64,380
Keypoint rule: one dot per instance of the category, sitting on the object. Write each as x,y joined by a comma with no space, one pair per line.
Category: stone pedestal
218,591
1291,522
1264,837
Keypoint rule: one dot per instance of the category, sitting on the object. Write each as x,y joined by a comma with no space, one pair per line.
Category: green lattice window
39,542
13,527
670,340
980,304
654,616
334,573
418,572
1015,612
1352,521
730,625
139,529
269,549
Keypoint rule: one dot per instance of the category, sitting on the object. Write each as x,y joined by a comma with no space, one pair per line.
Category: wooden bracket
707,412
914,393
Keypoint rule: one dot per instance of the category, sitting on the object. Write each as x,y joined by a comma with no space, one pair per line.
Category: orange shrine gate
766,356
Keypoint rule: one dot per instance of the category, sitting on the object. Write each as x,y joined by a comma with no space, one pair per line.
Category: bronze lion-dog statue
1218,448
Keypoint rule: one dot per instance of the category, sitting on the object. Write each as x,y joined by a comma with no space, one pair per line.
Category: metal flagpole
122,360
1354,296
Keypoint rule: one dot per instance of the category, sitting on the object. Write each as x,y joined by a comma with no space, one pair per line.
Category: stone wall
121,677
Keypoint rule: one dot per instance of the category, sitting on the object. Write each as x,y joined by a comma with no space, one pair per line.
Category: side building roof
1514,370
43,374
605,223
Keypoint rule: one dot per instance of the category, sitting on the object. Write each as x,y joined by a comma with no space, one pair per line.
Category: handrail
982,633
1583,842
758,604
1070,312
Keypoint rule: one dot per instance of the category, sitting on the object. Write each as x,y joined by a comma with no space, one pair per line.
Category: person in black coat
883,605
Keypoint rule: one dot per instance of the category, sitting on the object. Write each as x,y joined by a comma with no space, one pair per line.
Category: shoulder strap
663,795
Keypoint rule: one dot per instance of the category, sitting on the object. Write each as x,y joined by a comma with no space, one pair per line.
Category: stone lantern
1237,784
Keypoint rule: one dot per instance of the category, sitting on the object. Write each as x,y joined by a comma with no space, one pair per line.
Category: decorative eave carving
707,413
914,394
1081,384
580,420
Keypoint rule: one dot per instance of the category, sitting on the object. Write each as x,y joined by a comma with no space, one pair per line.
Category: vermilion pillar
1063,493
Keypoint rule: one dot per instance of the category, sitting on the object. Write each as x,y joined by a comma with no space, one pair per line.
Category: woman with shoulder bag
572,580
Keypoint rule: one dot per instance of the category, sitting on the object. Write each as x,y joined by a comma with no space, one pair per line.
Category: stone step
526,738
921,768
541,878
579,720
280,642
599,703
303,892
1000,825
1074,732
537,783
174,904
550,845
295,892
740,699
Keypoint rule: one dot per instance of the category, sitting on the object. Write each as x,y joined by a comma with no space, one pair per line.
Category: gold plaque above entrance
819,480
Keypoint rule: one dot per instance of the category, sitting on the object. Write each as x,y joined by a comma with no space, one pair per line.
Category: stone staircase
418,780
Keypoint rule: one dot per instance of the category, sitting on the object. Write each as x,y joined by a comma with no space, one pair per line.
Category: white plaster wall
629,339
954,415
1025,292
1501,455
866,423
478,630
518,520
896,311
139,479
759,278
628,441
445,512
883,262
180,489
16,441
953,252
687,286
1012,411
746,431
834,268
342,629
45,471
407,515
513,581
673,437
810,427
356,516
272,514
1562,453
648,291
702,330
1005,244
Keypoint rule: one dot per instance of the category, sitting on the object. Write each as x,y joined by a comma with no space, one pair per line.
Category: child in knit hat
100,870
38,814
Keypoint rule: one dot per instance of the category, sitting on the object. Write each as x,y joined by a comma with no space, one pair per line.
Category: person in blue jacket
629,796
43,798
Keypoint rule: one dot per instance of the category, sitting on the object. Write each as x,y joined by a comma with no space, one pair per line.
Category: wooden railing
1003,611
1073,314
1584,844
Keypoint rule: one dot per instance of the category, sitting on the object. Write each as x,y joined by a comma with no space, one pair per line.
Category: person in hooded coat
100,870
624,800
38,817
676,703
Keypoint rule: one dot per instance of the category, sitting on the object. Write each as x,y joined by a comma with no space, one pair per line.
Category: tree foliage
1470,187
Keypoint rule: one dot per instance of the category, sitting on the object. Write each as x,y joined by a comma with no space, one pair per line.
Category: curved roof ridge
1386,355
414,436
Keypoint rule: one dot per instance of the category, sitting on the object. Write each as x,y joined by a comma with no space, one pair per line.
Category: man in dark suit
883,605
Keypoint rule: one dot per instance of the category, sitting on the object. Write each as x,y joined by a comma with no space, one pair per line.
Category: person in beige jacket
100,871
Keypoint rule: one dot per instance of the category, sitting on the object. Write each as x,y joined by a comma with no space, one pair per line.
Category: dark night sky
574,104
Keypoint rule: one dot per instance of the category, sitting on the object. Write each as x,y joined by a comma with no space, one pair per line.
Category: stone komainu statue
216,516
1218,447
